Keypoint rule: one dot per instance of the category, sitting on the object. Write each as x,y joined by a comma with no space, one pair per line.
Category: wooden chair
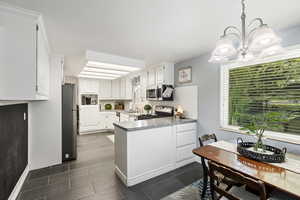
203,140
235,193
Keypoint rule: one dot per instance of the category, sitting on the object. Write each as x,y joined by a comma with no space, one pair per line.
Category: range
160,111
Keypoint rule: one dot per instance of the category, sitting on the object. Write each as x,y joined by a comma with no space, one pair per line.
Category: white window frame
292,52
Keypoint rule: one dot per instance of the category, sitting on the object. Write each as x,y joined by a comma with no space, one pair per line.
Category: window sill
281,137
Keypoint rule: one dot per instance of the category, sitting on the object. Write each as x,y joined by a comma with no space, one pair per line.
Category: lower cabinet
144,154
185,143
88,118
92,120
106,120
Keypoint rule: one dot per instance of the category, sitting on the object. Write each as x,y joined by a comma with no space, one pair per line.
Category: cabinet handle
36,57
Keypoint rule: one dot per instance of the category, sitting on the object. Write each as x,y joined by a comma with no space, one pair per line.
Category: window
260,89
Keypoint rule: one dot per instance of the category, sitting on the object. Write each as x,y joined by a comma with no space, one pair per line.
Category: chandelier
243,45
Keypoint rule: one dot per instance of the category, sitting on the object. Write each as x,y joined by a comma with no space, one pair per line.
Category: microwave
89,99
151,94
165,93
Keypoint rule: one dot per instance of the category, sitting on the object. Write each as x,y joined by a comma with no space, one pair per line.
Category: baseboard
14,194
95,131
198,159
120,174
150,174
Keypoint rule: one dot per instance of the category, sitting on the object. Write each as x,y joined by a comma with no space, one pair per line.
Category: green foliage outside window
266,97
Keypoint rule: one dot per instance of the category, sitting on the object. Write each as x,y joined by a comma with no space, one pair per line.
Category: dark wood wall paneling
13,146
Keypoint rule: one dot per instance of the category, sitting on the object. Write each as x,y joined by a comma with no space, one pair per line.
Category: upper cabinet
115,88
24,55
160,74
104,89
151,73
88,86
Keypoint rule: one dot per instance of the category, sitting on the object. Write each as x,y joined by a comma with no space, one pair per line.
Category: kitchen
140,100
110,100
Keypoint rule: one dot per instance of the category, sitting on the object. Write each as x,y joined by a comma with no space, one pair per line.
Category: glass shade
218,59
225,49
273,50
262,38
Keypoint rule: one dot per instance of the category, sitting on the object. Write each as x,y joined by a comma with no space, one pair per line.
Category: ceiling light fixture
99,74
234,44
96,77
111,66
109,71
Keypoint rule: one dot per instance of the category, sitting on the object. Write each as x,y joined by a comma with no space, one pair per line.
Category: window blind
265,88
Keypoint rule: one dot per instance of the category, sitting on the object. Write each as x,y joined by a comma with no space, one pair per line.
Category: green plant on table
256,124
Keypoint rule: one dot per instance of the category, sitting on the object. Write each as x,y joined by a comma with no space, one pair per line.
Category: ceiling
151,30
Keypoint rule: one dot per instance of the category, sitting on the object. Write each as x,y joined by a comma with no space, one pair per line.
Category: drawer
185,138
186,127
184,153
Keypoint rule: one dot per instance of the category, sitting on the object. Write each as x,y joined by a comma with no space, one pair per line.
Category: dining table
284,178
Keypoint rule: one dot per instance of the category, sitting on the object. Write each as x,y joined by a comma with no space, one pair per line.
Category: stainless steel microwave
89,99
151,94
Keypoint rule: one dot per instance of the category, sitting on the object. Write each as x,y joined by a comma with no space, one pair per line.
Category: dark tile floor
92,177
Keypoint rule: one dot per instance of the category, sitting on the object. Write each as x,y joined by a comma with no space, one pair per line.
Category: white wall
45,123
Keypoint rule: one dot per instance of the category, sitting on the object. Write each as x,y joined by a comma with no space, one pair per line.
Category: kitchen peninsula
147,148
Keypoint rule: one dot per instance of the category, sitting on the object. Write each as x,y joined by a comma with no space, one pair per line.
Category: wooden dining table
274,177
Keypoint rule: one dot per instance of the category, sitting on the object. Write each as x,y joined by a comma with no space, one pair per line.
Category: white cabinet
24,56
126,117
88,86
168,148
160,74
105,89
115,88
122,88
185,143
151,77
89,118
128,88
144,82
106,120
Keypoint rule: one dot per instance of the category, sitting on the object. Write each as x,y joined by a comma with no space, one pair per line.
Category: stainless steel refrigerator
70,119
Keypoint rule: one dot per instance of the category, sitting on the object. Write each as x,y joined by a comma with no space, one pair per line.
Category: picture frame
185,75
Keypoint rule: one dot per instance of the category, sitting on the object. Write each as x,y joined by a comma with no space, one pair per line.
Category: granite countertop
151,123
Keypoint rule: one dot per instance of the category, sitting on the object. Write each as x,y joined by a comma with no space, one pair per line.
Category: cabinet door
89,117
151,77
160,74
102,120
105,89
123,86
128,88
17,57
144,82
115,91
43,64
88,86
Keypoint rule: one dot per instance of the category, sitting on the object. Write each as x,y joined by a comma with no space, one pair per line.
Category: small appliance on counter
119,106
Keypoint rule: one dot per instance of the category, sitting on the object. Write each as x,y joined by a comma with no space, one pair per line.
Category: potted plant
148,108
108,106
256,124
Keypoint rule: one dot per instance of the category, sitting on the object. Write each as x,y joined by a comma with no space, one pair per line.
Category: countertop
151,123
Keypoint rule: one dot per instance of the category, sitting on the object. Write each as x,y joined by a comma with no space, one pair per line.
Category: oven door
151,94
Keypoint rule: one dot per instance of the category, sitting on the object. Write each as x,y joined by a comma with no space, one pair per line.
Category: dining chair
235,193
203,140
